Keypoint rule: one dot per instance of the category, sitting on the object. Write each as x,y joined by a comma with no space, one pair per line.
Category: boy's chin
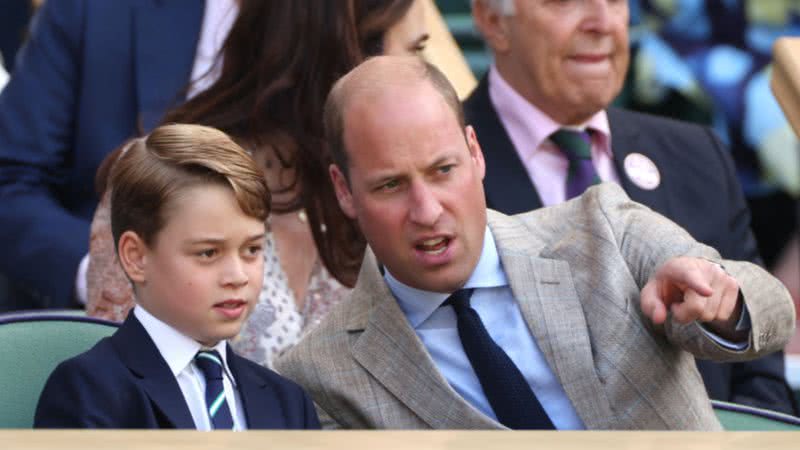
230,331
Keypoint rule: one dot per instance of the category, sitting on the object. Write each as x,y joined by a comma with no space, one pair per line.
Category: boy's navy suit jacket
123,382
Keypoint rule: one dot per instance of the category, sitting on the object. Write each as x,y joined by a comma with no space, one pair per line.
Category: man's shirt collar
418,305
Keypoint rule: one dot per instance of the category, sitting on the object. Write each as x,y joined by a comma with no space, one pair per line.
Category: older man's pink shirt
529,129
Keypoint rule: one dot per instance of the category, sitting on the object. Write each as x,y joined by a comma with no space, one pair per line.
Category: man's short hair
338,99
156,169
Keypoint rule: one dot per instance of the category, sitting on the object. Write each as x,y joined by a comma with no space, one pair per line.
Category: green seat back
31,346
735,417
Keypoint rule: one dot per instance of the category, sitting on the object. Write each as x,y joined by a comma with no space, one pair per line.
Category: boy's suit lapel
550,305
140,355
262,411
389,349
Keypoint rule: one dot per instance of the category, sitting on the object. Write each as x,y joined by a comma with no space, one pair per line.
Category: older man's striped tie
577,147
219,413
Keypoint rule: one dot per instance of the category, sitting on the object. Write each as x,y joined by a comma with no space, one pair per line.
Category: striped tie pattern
210,363
577,147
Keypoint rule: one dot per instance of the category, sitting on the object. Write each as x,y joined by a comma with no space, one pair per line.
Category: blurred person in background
91,74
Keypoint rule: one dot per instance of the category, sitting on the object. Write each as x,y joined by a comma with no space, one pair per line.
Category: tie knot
576,145
459,299
210,363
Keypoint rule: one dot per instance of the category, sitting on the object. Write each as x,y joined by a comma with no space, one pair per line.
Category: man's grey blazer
576,270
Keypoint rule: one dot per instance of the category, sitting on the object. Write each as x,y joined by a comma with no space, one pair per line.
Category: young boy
188,208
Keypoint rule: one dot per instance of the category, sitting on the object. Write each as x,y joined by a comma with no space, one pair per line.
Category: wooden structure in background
443,51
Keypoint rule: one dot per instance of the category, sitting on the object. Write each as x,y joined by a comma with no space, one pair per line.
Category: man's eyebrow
383,178
441,160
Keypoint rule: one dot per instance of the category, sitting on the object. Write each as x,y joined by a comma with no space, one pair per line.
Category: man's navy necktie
509,394
577,147
210,363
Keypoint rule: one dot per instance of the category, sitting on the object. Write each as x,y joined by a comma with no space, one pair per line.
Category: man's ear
342,188
475,152
492,25
132,253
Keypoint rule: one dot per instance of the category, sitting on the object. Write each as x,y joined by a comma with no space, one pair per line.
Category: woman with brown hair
277,66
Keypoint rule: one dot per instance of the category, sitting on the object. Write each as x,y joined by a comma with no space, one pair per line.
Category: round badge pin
642,171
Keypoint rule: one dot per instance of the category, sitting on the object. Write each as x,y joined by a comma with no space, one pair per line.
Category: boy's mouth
231,309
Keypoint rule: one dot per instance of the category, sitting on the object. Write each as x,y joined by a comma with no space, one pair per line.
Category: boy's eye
254,250
207,253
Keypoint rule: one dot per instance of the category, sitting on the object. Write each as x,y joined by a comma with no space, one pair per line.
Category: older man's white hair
502,7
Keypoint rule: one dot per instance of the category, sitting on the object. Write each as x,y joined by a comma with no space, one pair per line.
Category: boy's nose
235,273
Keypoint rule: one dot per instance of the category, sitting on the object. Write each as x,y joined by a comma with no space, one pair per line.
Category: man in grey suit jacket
599,303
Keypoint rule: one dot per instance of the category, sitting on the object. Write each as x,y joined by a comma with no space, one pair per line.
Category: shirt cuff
81,291
742,325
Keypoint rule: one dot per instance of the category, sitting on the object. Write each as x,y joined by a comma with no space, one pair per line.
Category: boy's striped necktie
210,363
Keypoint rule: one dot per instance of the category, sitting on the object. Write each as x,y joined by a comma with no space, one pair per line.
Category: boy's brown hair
154,170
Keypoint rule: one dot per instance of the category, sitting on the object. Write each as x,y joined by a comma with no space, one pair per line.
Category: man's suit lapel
507,185
141,356
166,33
626,138
261,410
550,305
389,349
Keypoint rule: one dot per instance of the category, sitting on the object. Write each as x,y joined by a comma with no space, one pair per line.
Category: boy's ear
132,252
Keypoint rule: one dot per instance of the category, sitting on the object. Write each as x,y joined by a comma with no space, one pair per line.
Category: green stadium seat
736,417
31,346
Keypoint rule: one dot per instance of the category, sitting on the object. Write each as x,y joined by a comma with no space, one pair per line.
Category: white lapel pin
642,171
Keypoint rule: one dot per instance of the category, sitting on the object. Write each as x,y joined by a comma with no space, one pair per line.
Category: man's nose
598,16
425,207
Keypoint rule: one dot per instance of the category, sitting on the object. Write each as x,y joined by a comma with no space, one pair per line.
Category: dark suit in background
698,190
92,74
13,23
123,382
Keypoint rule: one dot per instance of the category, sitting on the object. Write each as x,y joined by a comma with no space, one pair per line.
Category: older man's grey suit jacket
576,270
